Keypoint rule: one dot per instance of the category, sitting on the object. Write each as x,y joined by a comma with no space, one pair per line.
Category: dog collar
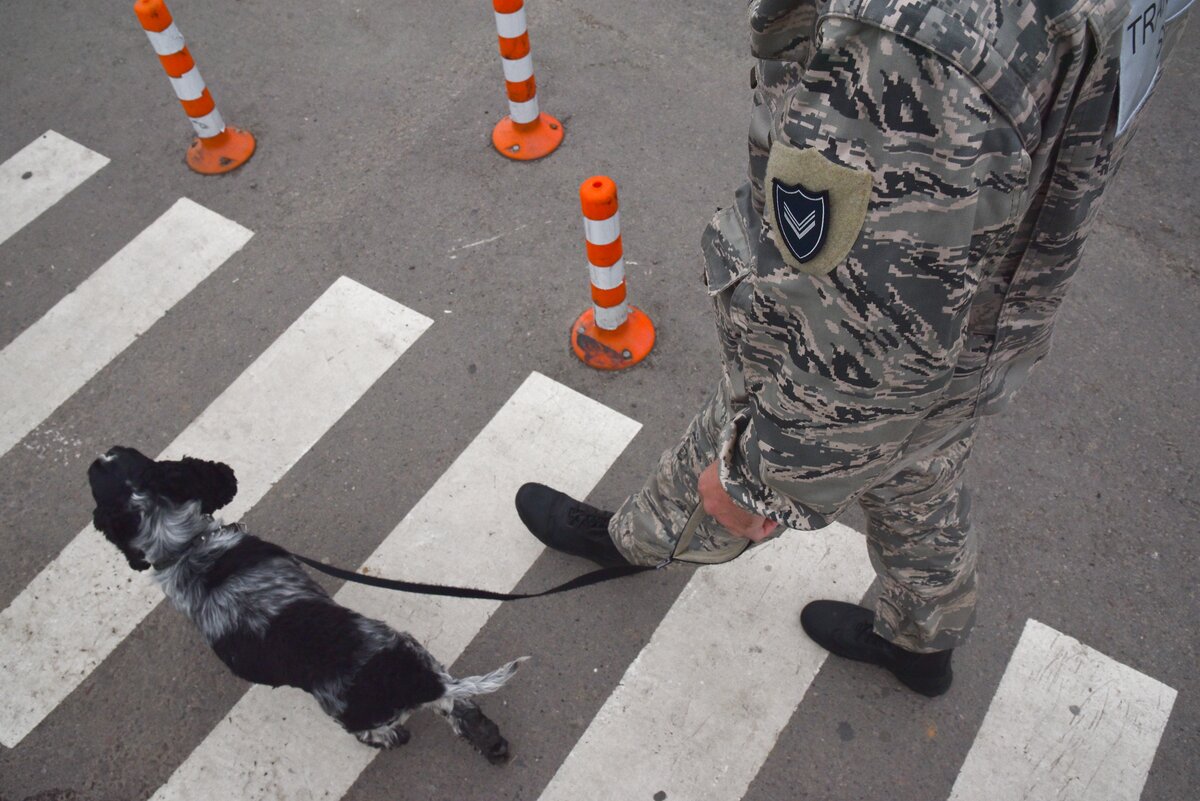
166,564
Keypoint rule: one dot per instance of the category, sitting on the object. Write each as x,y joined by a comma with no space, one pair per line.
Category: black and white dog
263,615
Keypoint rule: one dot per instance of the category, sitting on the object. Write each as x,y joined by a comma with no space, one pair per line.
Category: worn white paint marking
76,611
488,240
277,743
1067,724
73,341
699,710
39,175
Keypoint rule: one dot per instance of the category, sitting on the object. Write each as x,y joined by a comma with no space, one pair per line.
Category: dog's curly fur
262,614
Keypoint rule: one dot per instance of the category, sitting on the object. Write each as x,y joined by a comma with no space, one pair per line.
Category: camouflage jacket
923,176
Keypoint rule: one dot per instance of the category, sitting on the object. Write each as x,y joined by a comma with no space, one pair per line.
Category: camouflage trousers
919,536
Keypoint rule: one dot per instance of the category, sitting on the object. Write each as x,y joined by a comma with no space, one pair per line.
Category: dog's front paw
402,736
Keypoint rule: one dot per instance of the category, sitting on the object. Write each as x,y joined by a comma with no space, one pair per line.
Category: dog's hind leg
469,722
390,735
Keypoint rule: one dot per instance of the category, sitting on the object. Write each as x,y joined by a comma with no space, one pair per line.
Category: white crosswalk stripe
76,611
39,175
710,676
464,526
73,341
1068,724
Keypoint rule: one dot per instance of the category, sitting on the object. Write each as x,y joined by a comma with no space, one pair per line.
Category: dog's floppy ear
212,483
120,527
220,485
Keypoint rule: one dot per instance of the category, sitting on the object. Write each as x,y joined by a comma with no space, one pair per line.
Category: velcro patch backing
815,209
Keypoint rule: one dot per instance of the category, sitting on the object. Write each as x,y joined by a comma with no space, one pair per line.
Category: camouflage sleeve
848,335
782,30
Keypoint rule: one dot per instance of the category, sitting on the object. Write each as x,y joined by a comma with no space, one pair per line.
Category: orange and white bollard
525,134
217,147
611,334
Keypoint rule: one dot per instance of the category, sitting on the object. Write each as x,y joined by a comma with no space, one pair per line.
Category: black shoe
847,630
566,525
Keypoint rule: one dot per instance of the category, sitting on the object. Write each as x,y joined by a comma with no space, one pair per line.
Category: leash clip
664,563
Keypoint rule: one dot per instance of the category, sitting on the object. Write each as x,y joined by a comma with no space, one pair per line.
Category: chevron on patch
803,217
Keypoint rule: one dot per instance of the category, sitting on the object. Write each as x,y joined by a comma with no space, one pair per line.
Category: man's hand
718,504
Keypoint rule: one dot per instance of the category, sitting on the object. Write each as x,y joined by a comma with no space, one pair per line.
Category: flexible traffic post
525,133
611,334
217,147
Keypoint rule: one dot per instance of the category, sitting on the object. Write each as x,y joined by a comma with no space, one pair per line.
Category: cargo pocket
722,283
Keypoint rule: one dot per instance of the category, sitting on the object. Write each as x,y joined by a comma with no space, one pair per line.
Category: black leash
587,579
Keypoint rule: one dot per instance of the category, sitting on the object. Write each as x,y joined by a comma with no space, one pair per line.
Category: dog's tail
480,685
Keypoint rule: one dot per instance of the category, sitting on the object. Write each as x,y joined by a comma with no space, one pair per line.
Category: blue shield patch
802,217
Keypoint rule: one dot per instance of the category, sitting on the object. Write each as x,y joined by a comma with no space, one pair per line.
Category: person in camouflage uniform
923,176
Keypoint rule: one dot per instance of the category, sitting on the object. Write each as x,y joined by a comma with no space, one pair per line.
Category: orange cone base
527,141
612,350
226,151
